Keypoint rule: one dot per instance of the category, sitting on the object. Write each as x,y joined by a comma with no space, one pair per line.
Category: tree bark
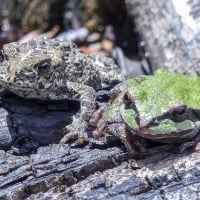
61,172
170,30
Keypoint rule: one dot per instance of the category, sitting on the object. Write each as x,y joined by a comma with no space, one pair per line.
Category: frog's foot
121,131
188,145
117,129
75,131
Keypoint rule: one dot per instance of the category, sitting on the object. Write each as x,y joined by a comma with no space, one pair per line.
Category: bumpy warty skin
49,69
46,67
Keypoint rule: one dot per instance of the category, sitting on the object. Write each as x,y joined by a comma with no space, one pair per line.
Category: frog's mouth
169,131
178,124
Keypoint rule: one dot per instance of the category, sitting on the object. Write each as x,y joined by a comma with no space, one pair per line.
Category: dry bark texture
171,32
56,172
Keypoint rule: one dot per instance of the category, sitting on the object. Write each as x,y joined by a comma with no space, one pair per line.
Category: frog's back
44,68
155,94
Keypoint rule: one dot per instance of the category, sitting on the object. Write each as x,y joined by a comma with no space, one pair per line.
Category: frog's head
179,123
163,107
33,66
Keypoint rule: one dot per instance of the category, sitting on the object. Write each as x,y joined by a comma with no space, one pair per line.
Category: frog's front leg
190,144
121,131
87,97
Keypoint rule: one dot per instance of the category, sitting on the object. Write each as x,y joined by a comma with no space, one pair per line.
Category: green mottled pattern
113,109
168,126
155,94
128,116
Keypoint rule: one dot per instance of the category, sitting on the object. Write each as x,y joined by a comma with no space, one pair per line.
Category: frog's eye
179,114
127,100
42,67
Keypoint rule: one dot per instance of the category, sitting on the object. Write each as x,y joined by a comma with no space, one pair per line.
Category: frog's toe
187,145
72,132
68,137
97,142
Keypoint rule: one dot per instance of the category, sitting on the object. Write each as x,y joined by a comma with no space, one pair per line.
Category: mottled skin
164,107
48,69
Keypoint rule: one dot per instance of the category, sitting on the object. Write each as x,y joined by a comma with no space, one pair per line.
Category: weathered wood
67,175
60,172
170,30
162,177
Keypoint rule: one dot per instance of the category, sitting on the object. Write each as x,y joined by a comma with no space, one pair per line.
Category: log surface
60,172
